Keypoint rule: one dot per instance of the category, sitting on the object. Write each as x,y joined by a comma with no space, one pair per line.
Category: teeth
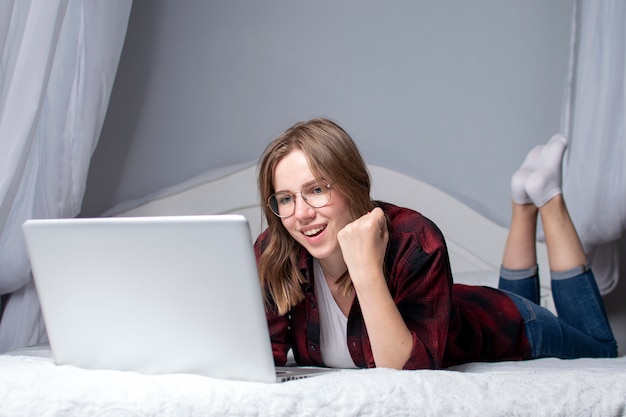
313,231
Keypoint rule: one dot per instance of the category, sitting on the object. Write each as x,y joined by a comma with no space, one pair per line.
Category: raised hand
363,244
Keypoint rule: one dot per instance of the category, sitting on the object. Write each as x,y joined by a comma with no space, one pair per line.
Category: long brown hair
332,155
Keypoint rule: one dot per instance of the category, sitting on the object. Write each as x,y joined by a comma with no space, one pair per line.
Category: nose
303,210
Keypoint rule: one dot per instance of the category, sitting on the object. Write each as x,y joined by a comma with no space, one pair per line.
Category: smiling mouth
314,232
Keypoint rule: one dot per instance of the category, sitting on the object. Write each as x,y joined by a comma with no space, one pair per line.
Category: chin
320,253
323,249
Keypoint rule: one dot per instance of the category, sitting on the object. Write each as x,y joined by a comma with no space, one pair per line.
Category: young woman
351,282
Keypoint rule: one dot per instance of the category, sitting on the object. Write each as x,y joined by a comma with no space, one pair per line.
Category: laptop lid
152,294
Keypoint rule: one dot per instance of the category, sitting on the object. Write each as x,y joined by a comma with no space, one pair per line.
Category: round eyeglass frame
305,199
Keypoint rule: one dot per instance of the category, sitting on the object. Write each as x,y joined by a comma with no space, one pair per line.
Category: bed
31,384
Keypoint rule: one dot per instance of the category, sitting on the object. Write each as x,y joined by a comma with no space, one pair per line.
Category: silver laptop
154,295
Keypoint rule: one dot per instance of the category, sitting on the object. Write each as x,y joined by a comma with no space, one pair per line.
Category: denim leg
578,303
582,328
523,282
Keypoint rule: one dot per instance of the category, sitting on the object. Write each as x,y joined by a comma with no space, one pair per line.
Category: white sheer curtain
59,59
594,181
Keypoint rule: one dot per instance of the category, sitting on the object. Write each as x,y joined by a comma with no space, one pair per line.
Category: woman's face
314,228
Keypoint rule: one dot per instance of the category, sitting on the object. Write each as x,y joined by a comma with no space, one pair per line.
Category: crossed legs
536,190
582,328
565,251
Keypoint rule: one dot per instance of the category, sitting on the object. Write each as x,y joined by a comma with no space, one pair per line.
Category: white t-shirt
333,324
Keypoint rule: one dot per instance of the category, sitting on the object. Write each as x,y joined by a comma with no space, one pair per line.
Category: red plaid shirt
450,324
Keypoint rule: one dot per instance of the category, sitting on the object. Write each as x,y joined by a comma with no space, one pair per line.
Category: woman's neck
333,270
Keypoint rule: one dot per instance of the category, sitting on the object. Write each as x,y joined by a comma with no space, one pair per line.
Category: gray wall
449,91
453,92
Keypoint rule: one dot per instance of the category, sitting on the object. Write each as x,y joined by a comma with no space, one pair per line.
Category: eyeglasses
316,195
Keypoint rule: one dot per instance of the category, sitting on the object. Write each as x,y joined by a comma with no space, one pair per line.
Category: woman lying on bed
352,282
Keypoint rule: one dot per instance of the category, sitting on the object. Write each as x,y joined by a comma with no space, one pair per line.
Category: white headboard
475,243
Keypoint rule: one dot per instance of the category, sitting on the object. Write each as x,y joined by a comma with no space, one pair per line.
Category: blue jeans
581,329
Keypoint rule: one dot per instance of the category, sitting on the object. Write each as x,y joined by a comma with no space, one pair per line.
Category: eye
284,199
316,189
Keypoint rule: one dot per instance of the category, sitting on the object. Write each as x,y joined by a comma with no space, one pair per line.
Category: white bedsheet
31,385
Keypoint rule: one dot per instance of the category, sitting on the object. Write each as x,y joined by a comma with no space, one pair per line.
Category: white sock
545,182
518,180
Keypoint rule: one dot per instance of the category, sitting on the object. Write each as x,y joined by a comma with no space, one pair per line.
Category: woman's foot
545,182
519,178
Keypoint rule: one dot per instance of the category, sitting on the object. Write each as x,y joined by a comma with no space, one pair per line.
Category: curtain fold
594,176
59,59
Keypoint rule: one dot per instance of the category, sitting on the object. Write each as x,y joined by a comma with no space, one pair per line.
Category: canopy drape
594,178
59,59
